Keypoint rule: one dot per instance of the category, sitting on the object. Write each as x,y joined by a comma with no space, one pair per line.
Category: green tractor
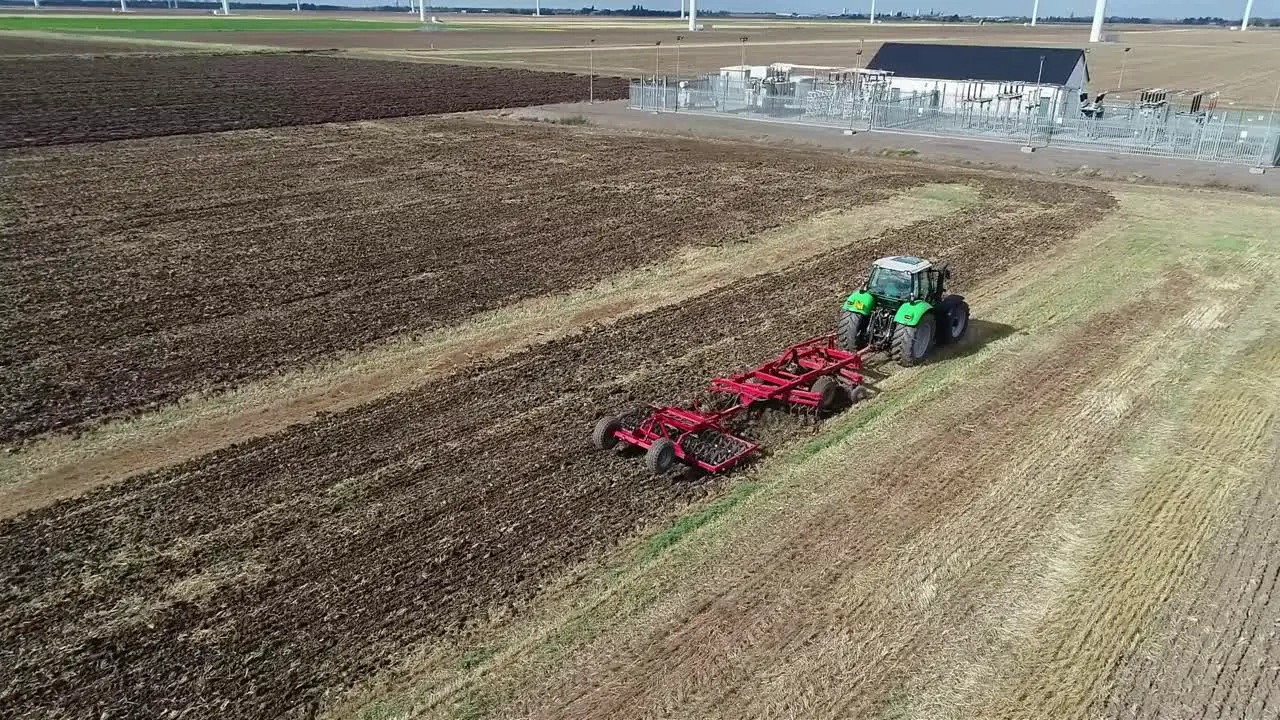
903,309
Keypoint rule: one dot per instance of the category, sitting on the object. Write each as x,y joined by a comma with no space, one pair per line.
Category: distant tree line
1120,20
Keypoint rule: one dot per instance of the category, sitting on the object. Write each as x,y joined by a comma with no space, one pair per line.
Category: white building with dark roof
1049,81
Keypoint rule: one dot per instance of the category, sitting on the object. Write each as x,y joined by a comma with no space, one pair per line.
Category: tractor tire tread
849,330
904,339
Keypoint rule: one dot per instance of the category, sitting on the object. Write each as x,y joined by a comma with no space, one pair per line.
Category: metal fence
1225,136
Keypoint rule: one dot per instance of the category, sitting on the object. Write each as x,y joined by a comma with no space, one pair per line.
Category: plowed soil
255,581
72,100
208,261
14,46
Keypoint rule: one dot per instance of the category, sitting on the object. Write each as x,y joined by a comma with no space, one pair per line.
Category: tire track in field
1218,656
1138,554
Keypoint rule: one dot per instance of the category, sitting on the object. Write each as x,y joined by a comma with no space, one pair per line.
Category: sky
1132,8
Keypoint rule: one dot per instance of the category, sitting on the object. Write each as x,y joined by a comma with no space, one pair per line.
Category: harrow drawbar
815,377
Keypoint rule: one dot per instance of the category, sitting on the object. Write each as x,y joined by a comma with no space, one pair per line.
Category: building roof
903,263
978,62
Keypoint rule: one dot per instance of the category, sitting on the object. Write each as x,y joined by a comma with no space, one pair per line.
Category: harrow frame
700,439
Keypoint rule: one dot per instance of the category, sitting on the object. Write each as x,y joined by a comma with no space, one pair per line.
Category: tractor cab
895,280
903,309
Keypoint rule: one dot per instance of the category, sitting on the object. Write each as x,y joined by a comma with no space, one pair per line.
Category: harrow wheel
660,457
603,435
857,394
830,390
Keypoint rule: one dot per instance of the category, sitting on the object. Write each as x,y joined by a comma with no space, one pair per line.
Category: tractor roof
904,263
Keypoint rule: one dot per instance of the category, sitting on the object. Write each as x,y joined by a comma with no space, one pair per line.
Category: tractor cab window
891,284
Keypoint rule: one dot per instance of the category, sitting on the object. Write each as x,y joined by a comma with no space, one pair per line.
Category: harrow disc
712,447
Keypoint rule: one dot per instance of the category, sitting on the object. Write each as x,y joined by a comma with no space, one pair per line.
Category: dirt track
179,590
73,100
207,261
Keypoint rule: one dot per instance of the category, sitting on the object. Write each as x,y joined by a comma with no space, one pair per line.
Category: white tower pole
422,11
1099,11
226,7
537,7
1035,12
1248,9
873,12
681,9
37,2
693,15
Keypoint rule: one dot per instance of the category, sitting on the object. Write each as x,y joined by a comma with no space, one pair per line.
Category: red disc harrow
814,376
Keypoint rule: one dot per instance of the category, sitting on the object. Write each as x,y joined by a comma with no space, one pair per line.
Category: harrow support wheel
831,392
857,394
602,436
660,457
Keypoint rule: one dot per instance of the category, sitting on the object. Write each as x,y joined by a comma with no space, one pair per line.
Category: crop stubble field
1020,530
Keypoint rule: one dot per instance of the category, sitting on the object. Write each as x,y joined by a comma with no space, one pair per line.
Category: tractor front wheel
852,330
911,344
660,457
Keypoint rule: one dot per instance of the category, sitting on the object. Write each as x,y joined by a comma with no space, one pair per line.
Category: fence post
1262,146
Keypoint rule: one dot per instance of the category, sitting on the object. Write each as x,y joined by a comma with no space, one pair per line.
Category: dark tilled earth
52,101
14,46
201,262
262,579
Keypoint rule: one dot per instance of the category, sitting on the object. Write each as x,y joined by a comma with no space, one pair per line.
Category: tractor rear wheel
602,436
660,457
911,345
956,322
831,392
852,330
